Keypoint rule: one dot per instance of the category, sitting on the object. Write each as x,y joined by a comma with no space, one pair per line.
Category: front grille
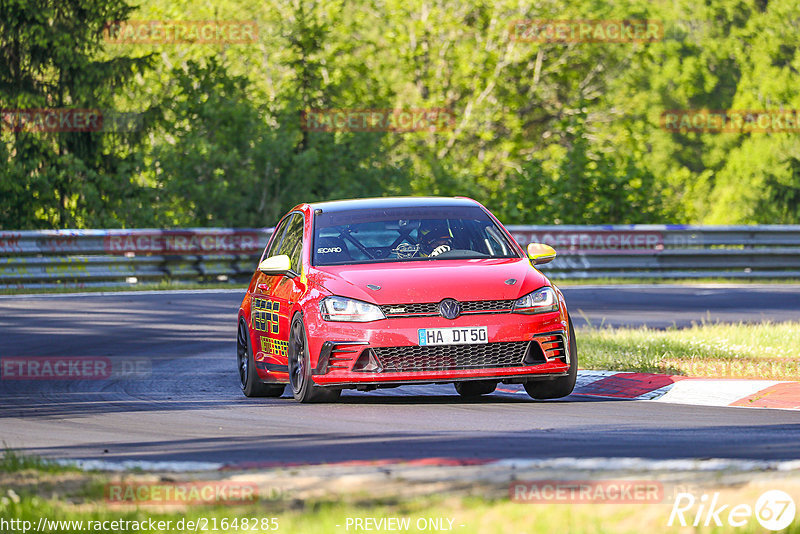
431,309
398,310
449,357
476,306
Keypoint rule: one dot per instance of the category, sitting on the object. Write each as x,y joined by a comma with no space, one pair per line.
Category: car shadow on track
645,439
436,399
428,399
80,403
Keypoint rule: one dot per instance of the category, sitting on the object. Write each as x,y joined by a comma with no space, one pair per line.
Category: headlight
344,309
540,301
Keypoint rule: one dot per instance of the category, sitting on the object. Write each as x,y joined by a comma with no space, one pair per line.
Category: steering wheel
406,250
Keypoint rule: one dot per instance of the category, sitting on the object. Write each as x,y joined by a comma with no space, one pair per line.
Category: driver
434,237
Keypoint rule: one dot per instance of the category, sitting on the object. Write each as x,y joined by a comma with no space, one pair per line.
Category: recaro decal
328,250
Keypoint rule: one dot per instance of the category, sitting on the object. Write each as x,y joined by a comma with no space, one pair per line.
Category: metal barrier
84,258
669,251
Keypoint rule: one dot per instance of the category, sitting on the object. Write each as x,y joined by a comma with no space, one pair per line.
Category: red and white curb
685,390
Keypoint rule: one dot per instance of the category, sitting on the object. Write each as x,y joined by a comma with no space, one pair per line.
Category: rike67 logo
774,510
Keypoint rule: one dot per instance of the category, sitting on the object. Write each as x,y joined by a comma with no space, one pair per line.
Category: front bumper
520,348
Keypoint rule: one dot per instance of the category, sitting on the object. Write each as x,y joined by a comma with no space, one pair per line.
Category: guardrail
669,251
85,258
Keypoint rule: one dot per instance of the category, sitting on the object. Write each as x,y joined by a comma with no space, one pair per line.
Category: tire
251,385
303,387
560,387
475,388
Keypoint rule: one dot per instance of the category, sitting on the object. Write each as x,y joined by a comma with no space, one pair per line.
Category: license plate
453,336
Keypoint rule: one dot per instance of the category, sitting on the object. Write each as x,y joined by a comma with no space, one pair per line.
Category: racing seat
331,249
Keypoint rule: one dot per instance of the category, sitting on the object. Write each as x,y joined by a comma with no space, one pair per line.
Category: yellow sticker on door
265,315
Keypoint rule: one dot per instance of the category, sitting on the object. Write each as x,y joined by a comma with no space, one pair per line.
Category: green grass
469,515
29,491
762,350
13,462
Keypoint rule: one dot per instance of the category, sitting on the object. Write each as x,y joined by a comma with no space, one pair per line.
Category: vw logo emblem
449,308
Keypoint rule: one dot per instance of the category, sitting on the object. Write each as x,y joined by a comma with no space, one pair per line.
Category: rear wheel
251,385
475,388
560,387
303,387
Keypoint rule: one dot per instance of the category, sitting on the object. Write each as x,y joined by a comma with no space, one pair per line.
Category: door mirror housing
279,265
539,253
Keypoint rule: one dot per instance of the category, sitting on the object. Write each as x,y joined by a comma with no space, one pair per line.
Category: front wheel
560,387
303,387
248,378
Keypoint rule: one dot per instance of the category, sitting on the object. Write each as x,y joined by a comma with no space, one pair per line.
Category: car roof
391,202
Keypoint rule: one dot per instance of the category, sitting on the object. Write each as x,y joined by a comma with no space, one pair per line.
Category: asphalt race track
663,306
184,403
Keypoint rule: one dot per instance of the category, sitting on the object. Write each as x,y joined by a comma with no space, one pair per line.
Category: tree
49,51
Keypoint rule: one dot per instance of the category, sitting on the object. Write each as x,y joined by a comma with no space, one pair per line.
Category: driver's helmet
433,233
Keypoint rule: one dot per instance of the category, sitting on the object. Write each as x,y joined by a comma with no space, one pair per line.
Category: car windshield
407,234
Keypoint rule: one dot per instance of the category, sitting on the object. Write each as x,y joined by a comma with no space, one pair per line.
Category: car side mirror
277,265
539,253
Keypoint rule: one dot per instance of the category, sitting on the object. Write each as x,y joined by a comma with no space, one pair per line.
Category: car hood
432,281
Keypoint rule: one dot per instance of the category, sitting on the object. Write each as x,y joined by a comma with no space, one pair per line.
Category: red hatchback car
394,291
